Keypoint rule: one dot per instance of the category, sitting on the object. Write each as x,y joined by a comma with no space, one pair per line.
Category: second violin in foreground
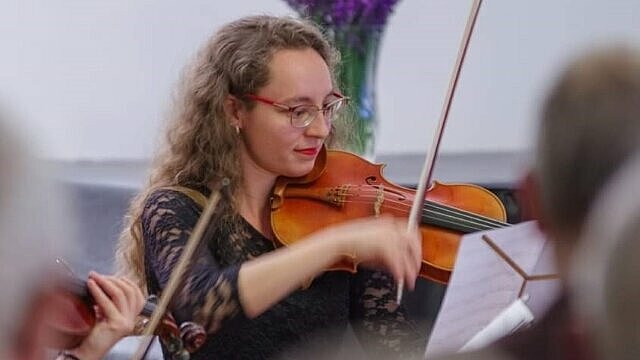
77,317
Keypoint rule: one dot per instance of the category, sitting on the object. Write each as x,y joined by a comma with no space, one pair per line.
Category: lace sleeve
382,326
209,295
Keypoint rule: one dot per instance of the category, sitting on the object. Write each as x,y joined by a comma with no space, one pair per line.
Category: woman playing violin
31,309
259,102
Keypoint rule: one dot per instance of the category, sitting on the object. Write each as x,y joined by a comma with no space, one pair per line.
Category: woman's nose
320,126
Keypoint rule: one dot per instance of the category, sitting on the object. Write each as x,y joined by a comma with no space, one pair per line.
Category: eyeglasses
301,116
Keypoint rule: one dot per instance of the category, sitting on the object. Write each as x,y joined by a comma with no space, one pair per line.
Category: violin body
74,320
342,186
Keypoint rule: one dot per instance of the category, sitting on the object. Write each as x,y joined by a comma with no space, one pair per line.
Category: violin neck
79,288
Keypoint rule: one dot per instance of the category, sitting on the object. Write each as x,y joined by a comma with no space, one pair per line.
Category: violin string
456,223
459,218
463,216
438,218
430,217
441,207
450,216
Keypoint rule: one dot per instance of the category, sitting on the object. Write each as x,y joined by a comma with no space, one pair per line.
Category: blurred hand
382,242
118,302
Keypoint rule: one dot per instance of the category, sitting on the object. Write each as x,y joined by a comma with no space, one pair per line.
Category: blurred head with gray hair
590,125
605,270
31,236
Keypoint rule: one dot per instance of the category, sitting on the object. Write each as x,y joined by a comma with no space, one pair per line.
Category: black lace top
310,321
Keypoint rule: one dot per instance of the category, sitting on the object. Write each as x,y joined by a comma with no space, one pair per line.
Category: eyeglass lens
302,116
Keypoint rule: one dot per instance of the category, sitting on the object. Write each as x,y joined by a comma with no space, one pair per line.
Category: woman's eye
299,112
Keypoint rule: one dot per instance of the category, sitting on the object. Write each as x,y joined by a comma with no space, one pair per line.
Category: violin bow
179,271
427,168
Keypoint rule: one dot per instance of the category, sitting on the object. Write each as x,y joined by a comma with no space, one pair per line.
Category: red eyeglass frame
291,109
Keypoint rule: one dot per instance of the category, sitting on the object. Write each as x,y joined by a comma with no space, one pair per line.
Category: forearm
271,277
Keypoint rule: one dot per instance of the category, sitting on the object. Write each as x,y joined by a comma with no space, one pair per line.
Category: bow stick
427,168
179,271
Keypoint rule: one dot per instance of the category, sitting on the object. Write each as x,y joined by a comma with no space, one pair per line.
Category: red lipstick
308,151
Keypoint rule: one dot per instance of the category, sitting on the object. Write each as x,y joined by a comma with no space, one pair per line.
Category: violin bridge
377,205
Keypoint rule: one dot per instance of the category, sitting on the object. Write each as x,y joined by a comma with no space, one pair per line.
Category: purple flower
342,13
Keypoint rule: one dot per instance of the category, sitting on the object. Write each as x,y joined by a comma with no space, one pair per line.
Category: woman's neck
253,197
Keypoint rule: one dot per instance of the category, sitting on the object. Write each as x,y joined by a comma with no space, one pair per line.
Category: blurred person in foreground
605,271
590,125
33,228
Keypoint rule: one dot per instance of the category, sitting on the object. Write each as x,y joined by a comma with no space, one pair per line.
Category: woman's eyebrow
297,99
307,99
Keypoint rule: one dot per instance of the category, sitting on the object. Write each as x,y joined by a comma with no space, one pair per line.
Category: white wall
91,79
515,51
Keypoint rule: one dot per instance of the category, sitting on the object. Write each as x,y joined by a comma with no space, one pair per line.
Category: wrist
341,248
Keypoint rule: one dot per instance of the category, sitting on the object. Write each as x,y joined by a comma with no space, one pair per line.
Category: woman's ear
234,111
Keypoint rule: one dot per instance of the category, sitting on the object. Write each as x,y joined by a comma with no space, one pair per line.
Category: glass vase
357,76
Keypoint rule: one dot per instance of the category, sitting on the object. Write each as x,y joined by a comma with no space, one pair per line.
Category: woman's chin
299,171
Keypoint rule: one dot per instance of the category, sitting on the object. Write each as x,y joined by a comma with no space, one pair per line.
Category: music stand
493,270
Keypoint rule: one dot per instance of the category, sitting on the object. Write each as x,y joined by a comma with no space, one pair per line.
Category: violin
78,318
343,186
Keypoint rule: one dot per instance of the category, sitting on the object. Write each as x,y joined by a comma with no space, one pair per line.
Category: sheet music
514,317
483,285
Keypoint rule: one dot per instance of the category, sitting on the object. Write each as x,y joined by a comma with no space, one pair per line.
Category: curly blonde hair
201,145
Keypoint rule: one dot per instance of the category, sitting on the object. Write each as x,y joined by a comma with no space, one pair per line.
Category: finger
136,293
108,309
129,281
112,288
393,263
99,312
133,294
400,239
410,270
415,247
129,301
408,251
405,258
